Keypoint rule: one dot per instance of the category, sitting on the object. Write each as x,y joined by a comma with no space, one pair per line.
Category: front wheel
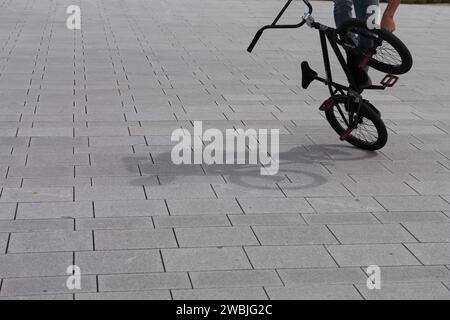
370,134
388,53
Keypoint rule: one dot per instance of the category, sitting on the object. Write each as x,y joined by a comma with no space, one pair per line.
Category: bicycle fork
353,120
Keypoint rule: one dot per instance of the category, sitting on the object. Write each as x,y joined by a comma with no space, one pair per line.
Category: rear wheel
370,134
389,53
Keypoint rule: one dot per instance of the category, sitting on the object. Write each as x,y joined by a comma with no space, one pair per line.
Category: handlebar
280,26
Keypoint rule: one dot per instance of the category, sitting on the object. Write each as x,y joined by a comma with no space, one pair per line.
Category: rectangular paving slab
51,241
269,257
371,233
372,254
204,259
134,239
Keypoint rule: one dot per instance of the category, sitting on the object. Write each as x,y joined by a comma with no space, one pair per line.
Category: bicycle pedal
345,134
327,104
389,80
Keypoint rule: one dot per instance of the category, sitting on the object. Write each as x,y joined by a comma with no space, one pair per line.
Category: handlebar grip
255,40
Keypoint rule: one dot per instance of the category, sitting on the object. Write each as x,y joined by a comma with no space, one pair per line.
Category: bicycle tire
367,114
384,58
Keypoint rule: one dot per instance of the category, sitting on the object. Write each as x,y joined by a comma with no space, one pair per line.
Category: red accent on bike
327,104
345,134
365,61
389,80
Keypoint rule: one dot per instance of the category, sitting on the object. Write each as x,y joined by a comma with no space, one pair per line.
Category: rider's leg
361,75
342,11
362,12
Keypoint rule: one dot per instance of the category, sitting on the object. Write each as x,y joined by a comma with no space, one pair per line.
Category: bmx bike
353,118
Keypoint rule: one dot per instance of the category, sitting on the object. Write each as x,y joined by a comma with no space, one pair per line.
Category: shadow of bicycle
305,163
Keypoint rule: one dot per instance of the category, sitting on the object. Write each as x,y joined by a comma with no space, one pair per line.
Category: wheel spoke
366,132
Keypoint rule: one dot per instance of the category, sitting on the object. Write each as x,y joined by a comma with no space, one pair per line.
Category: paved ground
86,177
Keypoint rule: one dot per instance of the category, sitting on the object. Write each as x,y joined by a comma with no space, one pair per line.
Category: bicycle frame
326,34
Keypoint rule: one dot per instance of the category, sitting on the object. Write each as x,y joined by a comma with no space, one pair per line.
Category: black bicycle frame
326,34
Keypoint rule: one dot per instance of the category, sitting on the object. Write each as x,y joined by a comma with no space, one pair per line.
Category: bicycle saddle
308,75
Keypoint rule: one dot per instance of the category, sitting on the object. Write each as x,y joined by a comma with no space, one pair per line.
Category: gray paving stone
220,294
367,166
130,208
328,189
414,274
296,277
41,171
50,241
372,254
382,178
134,239
57,159
55,182
203,206
115,141
215,236
58,141
36,194
179,191
204,259
315,292
414,203
287,219
107,170
119,261
414,166
379,188
35,264
340,218
234,190
345,204
446,198
431,253
10,182
431,187
167,179
281,205
268,257
371,233
168,169
44,285
289,235
36,225
3,242
430,232
407,291
54,210
133,295
143,281
191,221
114,223
7,211
235,278
400,217
109,193
125,181
40,297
